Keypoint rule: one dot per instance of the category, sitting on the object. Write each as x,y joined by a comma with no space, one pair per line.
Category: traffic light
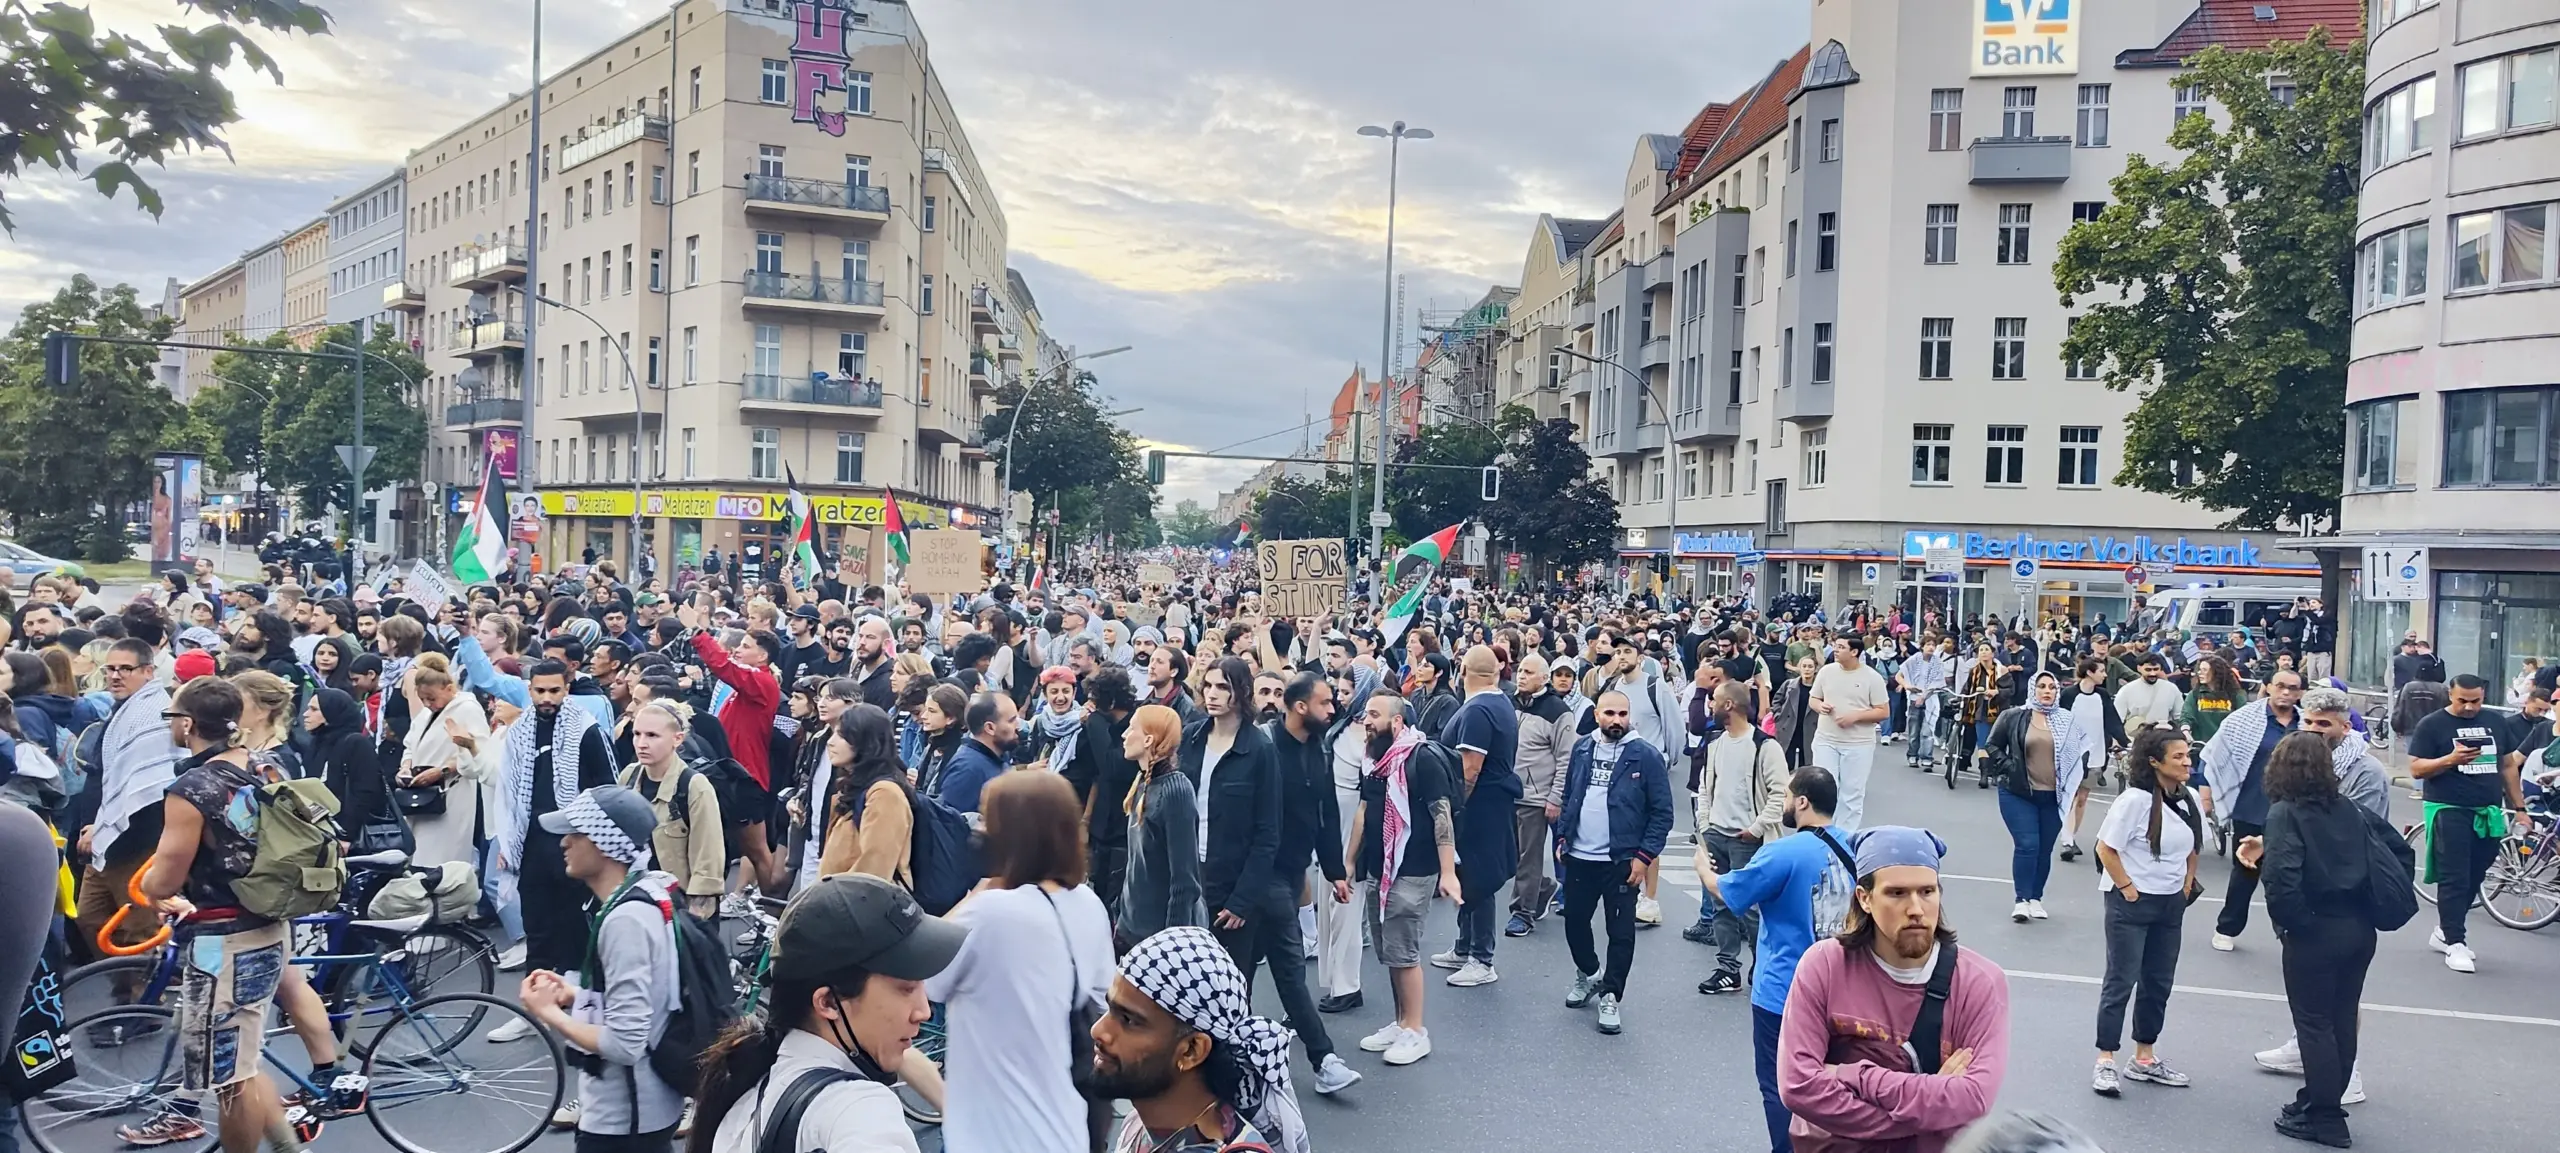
61,359
1155,467
1492,484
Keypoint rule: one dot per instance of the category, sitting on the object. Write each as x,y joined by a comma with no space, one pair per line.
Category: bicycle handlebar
107,932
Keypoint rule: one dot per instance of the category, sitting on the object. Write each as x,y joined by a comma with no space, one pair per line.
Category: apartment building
2453,396
367,228
1459,366
303,259
1552,283
213,310
1822,328
772,206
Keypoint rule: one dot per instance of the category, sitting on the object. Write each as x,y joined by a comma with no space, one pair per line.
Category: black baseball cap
854,920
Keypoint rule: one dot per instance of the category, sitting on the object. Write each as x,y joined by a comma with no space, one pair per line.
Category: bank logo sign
2026,38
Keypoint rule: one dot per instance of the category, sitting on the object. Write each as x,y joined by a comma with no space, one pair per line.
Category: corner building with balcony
772,206
1823,324
2453,395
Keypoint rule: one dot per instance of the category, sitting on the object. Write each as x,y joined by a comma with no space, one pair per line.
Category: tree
1552,508
1297,509
1426,500
1191,524
72,459
70,85
314,413
2224,280
1072,457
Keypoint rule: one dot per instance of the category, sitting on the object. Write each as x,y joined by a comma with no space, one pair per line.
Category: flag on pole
797,528
893,525
1409,579
480,550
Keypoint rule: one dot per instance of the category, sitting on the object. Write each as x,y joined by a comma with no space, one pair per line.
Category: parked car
26,562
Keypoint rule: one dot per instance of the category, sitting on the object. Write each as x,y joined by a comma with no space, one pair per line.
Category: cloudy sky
1180,175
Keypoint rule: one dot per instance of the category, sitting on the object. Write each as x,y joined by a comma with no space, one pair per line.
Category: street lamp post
1670,484
1395,134
1005,508
639,414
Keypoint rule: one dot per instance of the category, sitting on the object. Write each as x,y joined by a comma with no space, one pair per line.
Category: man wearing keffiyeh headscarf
1181,1043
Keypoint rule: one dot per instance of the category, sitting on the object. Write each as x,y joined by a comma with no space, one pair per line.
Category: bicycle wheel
102,985
430,963
117,1086
2418,843
437,1084
2522,892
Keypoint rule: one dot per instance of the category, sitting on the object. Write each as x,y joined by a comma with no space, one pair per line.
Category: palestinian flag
893,525
797,528
480,550
1409,578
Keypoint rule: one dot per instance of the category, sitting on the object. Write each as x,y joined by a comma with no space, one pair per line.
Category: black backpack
709,999
742,800
2390,899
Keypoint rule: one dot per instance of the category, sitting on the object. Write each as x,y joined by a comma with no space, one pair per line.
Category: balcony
976,451
599,141
1657,271
1008,348
402,296
1713,422
1805,402
1654,353
816,392
982,371
471,415
2021,159
487,268
1646,438
1583,312
817,199
1578,383
487,339
819,295
932,433
987,312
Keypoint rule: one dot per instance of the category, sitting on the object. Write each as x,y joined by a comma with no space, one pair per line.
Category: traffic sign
354,463
1942,561
1871,572
2394,573
2022,572
1750,558
1381,520
2133,575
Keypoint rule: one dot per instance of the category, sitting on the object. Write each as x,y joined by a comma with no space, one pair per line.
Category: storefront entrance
2488,623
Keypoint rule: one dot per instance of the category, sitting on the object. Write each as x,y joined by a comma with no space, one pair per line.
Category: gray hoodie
636,953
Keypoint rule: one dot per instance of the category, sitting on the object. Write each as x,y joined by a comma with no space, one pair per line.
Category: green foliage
1426,500
2222,284
68,84
1552,508
1296,509
72,459
1191,525
1071,457
296,438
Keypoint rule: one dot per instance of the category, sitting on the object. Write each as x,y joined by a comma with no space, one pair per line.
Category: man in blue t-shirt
1485,733
1800,885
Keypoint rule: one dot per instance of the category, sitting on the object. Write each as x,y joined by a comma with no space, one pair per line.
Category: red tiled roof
1760,114
1700,134
2234,24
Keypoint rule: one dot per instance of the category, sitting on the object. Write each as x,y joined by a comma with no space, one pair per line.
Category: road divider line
2279,998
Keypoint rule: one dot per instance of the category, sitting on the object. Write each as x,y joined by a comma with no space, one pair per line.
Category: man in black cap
622,996
803,648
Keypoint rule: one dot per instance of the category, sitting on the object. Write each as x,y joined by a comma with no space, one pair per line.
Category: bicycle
2522,888
1960,747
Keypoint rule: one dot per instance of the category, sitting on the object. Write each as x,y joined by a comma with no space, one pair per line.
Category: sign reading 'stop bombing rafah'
2026,37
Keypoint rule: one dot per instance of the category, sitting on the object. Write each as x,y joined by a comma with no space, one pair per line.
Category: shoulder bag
1930,1024
1081,1014
422,800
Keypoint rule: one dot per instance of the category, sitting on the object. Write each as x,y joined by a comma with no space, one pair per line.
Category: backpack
943,858
680,808
2390,899
709,1002
739,793
298,869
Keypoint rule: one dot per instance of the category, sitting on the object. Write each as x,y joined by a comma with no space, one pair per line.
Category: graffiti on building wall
819,60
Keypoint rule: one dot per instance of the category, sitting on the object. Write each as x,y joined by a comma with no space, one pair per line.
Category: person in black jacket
1102,775
1435,699
342,757
1231,766
1310,827
2314,859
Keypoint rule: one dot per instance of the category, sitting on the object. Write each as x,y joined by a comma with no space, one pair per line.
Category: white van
2219,608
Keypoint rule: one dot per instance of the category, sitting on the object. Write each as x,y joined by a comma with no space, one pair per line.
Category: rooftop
2246,24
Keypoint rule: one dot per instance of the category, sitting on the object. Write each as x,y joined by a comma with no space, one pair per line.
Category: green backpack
299,868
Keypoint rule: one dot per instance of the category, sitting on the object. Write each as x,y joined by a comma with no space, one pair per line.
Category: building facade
1553,282
2453,396
304,257
1822,330
212,310
366,261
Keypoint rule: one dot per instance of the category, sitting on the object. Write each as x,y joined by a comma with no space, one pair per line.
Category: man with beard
1840,1071
1269,690
584,692
1612,818
1546,745
993,728
835,650
547,760
1310,830
1741,805
1404,847
1180,1043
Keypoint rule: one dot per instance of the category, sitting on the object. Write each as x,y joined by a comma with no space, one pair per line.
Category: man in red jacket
745,705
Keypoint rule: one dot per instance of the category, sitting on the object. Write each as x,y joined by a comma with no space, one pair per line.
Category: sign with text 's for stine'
2026,37
1300,577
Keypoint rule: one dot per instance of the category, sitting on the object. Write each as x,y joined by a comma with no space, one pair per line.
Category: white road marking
2278,998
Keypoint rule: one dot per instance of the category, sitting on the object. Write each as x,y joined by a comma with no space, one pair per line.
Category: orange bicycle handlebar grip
107,932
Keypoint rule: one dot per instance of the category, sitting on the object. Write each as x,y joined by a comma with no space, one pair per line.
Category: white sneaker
2355,1087
2019,912
2435,940
1385,1038
567,1117
1335,1075
1475,973
511,959
1413,1046
2285,1058
2223,944
516,1029
2035,909
2457,957
1449,960
1648,911
684,1121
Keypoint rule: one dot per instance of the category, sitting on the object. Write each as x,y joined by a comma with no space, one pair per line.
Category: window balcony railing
813,289
798,192
599,141
815,388
472,413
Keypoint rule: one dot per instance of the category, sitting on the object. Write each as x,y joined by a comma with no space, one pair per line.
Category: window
849,457
768,351
1821,353
1826,241
857,171
857,93
1946,119
1755,372
2093,116
2389,12
1933,448
692,173
2501,436
2509,246
695,87
586,375
857,261
2014,219
1688,473
2283,91
852,350
769,253
1937,347
655,347
657,184
2018,111
2004,456
692,362
1830,141
1787,359
2400,124
1795,144
587,280
1817,457
2087,211
764,454
1733,380
769,160
1759,273
928,294
630,181
2009,348
2079,468
1793,227
1775,523
608,194
776,88
587,199
692,261
657,270
2508,93
1741,278
2392,268
931,207
2374,429
1939,237
2186,100
1762,199
2076,369
1751,449
627,268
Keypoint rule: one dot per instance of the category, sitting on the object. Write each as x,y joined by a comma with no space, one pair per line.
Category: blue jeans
510,915
2035,825
1476,920
1764,1060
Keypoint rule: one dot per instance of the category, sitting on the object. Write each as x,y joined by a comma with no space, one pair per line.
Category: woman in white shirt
2148,848
1039,948
449,747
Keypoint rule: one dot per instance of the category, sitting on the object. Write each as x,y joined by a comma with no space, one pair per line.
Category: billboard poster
2025,38
502,445
177,509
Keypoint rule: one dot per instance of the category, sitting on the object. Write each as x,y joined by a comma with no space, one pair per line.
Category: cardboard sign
945,560
1300,577
857,556
1139,615
1158,575
428,587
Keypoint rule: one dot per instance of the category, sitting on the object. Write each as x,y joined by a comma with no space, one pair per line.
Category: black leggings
26,907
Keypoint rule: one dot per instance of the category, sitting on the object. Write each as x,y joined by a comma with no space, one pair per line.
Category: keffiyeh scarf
568,738
1061,731
1397,822
2070,748
1189,975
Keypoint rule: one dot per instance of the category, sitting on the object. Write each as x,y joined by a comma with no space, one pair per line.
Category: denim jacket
1639,800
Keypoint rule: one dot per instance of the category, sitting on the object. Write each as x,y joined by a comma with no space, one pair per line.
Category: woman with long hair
449,749
1161,886
2147,847
1978,699
869,812
2217,692
1039,949
940,720
329,659
2038,754
266,723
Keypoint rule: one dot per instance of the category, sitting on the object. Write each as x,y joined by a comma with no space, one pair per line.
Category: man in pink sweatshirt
1894,1037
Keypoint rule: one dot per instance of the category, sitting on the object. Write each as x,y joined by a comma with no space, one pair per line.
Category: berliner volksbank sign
2026,38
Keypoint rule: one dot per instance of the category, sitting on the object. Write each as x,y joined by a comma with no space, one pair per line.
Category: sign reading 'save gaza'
2025,38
